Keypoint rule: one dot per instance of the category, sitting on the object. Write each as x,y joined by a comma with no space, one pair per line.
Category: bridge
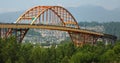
52,18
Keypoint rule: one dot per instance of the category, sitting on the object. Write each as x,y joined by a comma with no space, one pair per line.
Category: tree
65,60
21,60
9,50
81,57
108,57
117,51
25,52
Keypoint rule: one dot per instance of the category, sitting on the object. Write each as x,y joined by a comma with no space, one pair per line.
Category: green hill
108,27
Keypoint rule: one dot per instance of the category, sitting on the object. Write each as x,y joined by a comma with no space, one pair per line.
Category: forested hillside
108,27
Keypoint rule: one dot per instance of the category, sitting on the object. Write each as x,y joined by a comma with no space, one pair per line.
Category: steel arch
60,12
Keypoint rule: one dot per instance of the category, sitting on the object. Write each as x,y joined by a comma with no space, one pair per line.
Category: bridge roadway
53,27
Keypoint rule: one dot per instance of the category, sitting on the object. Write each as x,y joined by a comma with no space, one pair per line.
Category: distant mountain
95,13
10,16
81,13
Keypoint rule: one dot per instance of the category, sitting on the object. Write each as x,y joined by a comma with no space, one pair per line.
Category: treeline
13,52
109,27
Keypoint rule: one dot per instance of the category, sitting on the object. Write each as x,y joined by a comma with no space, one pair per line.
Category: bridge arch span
49,15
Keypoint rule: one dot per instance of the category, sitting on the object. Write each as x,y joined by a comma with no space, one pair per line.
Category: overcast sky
17,5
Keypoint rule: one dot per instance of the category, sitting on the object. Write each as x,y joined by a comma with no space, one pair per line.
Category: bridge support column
18,33
105,41
108,41
80,38
3,32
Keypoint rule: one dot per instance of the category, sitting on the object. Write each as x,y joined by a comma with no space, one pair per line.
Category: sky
18,5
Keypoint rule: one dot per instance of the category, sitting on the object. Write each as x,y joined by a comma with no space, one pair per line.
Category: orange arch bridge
52,18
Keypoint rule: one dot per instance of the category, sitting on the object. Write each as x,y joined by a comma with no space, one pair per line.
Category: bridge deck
53,27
